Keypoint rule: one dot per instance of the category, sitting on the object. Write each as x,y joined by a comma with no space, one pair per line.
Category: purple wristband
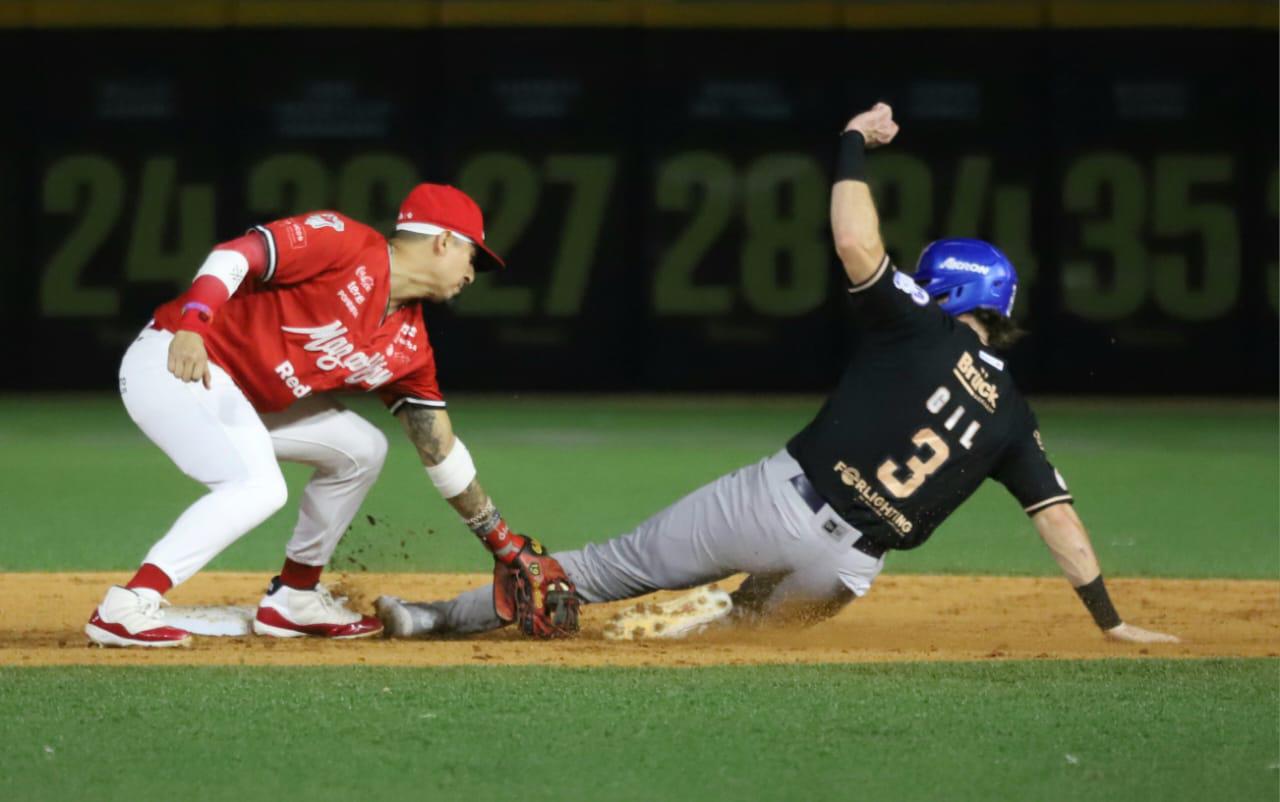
203,309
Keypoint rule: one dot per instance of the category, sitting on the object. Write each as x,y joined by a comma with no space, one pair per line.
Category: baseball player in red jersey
236,373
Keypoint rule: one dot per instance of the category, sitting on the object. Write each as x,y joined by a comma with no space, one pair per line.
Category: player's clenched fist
187,358
876,125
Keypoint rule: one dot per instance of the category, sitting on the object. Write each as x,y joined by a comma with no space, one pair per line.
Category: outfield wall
657,172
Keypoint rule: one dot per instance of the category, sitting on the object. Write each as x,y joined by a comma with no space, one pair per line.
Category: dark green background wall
661,194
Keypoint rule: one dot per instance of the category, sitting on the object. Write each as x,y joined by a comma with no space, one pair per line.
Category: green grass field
1177,490
1038,731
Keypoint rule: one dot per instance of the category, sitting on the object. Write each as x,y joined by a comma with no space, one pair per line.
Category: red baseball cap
436,208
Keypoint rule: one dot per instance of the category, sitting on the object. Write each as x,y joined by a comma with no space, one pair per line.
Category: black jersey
923,414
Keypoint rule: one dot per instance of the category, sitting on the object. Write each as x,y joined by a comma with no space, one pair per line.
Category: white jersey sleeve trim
880,271
271,252
417,402
1049,502
229,267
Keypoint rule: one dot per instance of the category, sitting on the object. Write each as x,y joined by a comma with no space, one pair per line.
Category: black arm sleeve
1025,470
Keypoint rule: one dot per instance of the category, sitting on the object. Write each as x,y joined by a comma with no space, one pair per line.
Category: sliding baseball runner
924,412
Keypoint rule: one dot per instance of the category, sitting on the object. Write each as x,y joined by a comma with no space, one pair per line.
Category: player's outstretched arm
855,226
530,587
448,463
1064,533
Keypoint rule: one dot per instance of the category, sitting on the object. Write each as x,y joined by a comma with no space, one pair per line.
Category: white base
260,628
226,621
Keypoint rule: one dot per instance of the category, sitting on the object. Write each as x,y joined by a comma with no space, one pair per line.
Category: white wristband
454,472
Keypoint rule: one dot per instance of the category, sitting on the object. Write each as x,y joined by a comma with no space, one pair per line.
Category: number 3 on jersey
918,469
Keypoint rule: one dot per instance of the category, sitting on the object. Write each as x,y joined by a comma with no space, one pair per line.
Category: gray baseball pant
801,562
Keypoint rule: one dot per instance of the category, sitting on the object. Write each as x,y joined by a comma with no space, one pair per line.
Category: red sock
149,576
299,576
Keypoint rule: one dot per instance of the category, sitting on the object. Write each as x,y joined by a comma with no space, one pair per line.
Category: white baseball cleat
679,618
402,619
287,612
133,618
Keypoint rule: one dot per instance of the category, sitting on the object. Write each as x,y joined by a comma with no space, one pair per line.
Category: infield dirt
904,618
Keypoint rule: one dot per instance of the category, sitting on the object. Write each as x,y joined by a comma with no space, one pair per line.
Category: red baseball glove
533,591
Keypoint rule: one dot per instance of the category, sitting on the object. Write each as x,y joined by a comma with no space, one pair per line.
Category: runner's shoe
403,619
679,618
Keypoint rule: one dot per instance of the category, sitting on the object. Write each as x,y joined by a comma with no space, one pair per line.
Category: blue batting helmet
967,274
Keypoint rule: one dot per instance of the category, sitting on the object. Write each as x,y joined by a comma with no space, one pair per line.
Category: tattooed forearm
430,430
476,508
432,434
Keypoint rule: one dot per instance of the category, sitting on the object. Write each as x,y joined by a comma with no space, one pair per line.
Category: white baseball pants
217,438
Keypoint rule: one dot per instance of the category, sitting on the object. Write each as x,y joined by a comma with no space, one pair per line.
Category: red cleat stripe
157,635
367,624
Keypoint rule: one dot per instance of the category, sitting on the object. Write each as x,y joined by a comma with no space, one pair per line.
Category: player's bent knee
277,495
249,501
267,495
368,451
374,452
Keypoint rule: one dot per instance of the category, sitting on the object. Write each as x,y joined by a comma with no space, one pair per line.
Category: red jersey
315,320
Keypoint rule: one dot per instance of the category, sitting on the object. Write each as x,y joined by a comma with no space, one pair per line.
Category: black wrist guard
1098,603
851,164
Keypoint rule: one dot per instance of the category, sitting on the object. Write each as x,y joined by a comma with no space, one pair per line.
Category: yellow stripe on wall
1161,14
991,14
14,14
129,13
675,14
569,13
335,13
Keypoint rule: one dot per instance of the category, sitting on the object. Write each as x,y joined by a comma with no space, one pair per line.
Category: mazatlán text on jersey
878,503
336,351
